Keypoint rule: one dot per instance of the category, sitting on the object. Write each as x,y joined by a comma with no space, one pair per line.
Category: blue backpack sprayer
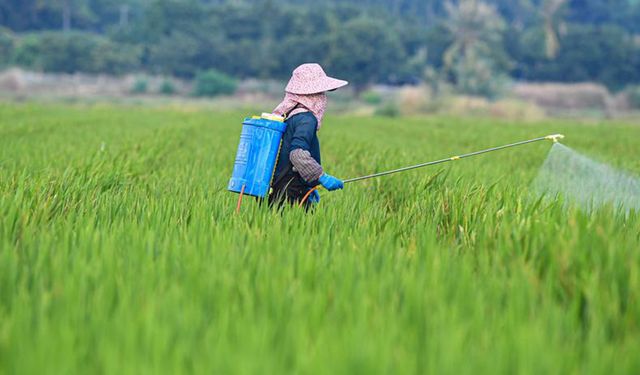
256,156
260,144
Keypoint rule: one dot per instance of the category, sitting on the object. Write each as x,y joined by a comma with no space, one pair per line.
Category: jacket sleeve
306,165
301,159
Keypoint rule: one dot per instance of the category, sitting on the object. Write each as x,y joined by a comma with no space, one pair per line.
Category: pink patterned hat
310,79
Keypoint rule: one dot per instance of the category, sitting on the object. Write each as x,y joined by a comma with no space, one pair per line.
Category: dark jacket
301,133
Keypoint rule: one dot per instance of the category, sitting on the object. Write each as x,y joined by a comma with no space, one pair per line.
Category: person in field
299,167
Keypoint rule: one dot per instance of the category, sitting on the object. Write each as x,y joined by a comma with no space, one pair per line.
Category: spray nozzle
554,137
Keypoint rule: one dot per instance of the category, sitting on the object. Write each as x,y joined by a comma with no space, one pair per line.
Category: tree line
477,45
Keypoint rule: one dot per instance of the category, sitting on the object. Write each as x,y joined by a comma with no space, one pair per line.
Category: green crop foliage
120,251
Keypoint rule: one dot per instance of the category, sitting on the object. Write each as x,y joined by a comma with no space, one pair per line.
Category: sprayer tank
256,155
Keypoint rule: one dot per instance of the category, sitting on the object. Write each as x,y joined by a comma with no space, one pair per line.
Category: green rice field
121,253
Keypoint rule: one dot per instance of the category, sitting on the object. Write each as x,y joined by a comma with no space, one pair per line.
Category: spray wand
553,137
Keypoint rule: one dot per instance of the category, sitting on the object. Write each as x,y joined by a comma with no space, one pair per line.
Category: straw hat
310,79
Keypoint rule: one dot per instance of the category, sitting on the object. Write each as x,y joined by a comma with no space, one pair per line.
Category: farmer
299,168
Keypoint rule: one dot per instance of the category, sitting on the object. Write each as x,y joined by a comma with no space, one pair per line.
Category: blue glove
330,183
314,197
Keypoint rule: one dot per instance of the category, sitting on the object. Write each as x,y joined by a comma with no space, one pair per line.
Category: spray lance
555,138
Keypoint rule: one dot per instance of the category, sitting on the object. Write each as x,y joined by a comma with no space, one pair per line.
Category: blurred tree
214,83
114,13
303,38
21,15
176,54
519,14
7,42
363,50
268,38
72,13
438,39
414,42
599,12
528,49
475,57
550,10
604,54
177,36
75,52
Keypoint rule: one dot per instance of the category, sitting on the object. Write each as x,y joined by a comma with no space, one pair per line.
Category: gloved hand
330,183
314,197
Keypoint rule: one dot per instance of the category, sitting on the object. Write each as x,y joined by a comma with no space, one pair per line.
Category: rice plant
120,251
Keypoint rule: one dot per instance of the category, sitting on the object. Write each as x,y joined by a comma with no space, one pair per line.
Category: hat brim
315,87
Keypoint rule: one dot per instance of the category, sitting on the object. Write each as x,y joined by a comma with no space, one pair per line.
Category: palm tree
476,27
550,10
